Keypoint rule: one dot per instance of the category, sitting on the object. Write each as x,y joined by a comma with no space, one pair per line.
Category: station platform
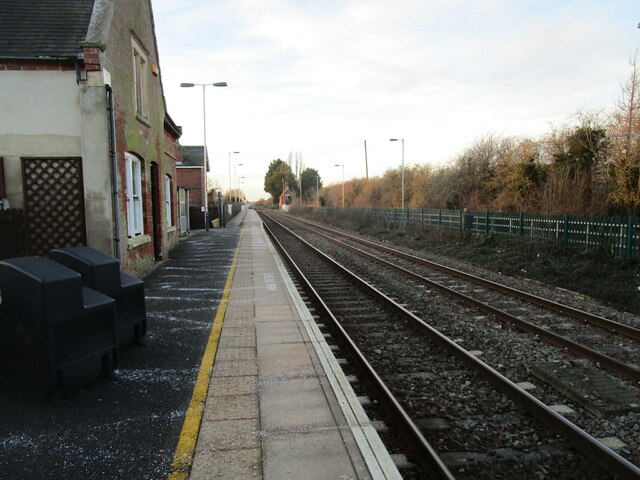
271,401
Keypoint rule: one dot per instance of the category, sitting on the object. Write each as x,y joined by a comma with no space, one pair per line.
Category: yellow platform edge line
183,456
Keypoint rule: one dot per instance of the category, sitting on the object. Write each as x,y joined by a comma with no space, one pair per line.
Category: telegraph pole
366,162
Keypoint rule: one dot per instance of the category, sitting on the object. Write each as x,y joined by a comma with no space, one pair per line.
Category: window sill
143,120
135,242
171,228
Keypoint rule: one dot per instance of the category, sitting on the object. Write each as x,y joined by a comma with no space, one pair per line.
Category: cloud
320,76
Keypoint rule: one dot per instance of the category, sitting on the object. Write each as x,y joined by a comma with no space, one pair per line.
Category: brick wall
54,65
173,154
191,178
142,136
92,59
172,146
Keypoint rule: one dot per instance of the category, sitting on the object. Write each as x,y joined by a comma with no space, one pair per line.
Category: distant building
173,156
285,199
192,179
77,180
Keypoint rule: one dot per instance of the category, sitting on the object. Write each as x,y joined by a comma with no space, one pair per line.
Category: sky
319,77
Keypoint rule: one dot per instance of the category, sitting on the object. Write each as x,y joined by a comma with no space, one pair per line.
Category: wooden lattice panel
54,204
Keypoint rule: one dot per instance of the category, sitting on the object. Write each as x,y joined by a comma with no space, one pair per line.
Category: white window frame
133,174
168,198
140,78
183,212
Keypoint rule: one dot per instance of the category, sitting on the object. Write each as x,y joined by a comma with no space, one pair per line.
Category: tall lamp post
342,165
230,173
235,176
401,140
204,156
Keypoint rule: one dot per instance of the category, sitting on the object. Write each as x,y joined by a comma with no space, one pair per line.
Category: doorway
155,212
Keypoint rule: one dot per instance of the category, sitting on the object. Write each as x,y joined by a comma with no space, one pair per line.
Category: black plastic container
55,334
101,272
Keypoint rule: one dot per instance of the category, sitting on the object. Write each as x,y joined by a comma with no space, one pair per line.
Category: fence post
422,215
565,237
630,222
586,240
521,227
439,217
486,223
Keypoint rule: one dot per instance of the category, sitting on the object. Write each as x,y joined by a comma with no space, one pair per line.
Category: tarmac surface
127,427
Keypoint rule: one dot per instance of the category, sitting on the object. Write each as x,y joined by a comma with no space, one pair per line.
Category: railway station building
88,151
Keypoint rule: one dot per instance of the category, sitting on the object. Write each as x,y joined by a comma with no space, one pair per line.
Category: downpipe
114,169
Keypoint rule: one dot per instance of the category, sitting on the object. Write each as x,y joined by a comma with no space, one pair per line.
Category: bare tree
629,103
296,163
625,132
299,162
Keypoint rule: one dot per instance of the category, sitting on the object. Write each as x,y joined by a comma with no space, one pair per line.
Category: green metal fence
619,235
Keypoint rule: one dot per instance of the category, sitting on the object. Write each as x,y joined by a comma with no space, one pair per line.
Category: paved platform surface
278,406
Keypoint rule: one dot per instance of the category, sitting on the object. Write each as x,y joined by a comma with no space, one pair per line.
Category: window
167,197
134,195
140,78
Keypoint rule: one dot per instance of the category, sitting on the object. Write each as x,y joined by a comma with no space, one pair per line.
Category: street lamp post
402,140
204,152
230,173
235,175
342,165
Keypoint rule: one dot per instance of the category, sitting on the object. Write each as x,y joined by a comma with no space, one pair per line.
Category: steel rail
422,450
578,438
578,349
596,320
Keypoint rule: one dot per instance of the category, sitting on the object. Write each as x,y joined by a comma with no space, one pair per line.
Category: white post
403,174
204,159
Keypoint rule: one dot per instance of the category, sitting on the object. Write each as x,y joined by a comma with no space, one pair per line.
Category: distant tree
418,181
471,176
262,202
519,179
296,163
390,189
308,183
583,148
370,194
578,178
277,177
624,129
440,190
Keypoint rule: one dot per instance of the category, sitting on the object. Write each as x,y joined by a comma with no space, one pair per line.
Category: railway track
611,347
478,423
614,345
620,328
